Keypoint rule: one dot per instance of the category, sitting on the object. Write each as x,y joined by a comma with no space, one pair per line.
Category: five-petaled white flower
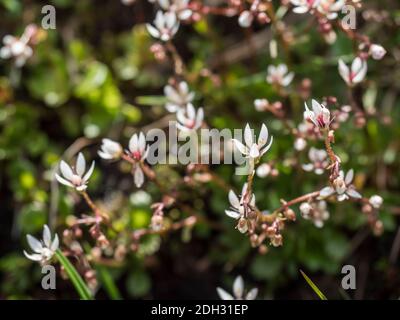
356,73
165,26
18,48
75,177
178,97
279,75
189,119
316,212
240,208
138,151
110,150
342,187
319,116
180,7
303,6
44,249
238,291
330,8
318,161
251,149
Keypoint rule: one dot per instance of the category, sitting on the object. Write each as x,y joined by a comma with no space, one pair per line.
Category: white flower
279,75
342,187
44,249
377,51
110,149
241,207
376,201
165,26
263,170
18,48
356,73
189,119
300,144
261,104
179,7
138,151
329,8
238,291
75,177
318,161
315,212
251,149
303,6
178,98
245,19
319,116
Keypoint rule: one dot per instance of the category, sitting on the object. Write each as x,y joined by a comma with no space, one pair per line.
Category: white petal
224,295
104,155
240,146
317,108
80,164
5,53
344,70
133,143
34,243
33,257
263,137
254,151
66,170
326,192
349,177
63,181
248,136
138,177
287,79
190,111
356,65
252,294
46,236
233,199
89,173
185,14
55,243
302,9
153,31
199,118
267,147
142,142
308,167
353,193
361,73
233,214
238,287
342,197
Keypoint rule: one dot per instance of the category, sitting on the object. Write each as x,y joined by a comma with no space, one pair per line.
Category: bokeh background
94,77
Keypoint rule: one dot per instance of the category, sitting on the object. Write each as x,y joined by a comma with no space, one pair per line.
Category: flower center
190,124
136,155
76,180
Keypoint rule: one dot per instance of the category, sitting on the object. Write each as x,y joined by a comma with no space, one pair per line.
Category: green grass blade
108,282
80,285
313,286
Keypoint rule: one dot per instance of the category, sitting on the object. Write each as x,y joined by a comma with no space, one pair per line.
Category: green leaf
313,286
108,282
80,286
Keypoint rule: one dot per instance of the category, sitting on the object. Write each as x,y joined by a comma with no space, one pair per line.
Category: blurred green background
95,77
